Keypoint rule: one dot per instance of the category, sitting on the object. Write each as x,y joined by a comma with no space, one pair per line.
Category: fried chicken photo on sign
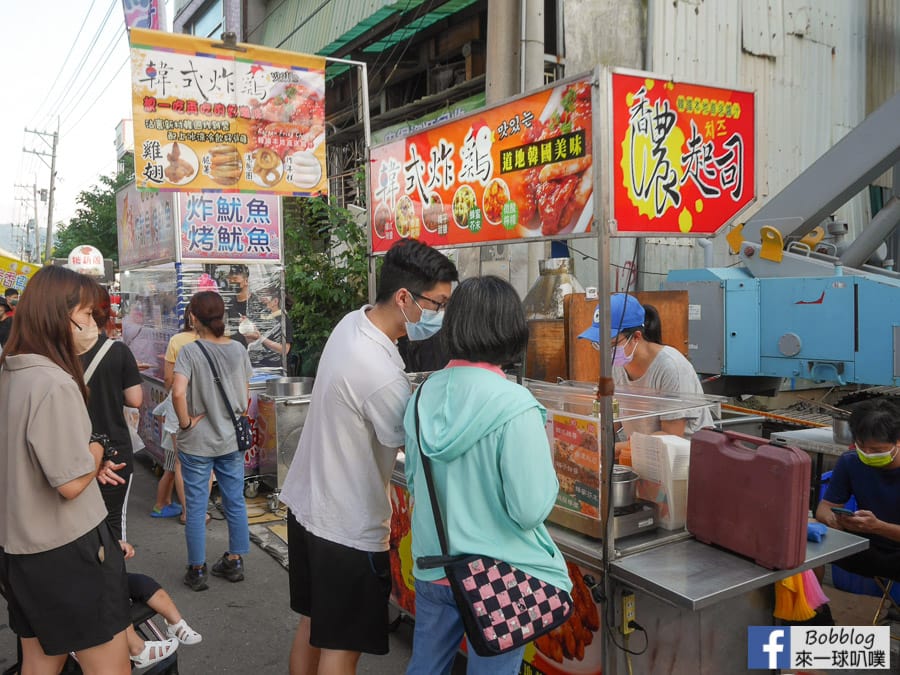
178,168
556,193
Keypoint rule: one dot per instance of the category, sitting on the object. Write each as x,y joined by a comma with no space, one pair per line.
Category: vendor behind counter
641,360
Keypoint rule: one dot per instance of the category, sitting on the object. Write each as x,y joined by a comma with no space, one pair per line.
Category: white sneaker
183,633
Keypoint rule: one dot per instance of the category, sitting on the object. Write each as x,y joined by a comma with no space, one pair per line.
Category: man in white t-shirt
337,485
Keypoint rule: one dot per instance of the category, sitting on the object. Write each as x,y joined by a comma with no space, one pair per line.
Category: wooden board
545,358
583,360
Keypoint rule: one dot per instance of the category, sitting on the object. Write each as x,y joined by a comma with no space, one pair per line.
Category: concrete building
817,70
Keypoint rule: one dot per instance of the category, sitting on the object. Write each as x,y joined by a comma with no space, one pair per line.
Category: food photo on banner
683,155
208,117
521,169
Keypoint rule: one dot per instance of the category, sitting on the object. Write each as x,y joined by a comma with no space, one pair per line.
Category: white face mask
85,336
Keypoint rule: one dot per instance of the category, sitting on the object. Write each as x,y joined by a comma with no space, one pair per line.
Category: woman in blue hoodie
492,467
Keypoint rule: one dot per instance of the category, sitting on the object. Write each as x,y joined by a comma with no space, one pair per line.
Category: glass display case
640,503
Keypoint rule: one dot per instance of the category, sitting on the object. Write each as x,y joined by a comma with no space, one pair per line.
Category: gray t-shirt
213,436
672,373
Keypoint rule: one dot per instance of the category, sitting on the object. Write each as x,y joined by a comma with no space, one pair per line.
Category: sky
65,61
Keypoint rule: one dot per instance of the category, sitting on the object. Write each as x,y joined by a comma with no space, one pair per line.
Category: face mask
877,459
429,323
14,302
620,358
85,336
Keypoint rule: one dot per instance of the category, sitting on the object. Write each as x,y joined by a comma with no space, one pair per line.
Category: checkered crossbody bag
502,607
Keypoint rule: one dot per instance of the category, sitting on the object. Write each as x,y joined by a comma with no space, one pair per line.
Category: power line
110,48
101,92
82,61
304,22
265,18
66,59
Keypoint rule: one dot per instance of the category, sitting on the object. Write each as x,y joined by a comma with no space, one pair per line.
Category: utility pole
52,144
48,253
35,254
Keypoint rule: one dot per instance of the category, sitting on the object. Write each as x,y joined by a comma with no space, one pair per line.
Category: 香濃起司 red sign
683,155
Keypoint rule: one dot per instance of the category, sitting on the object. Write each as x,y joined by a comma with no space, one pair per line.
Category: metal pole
49,249
532,77
36,254
605,387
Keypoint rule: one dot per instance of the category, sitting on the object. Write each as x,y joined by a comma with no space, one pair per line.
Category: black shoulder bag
502,608
242,430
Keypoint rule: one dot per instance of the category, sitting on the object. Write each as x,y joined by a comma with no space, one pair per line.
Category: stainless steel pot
624,482
840,430
289,386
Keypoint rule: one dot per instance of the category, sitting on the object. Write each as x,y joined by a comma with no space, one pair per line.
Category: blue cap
625,312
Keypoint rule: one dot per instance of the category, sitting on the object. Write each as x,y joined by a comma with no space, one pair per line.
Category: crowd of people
470,434
63,514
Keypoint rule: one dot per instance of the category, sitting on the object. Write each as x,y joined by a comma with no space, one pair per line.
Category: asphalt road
247,627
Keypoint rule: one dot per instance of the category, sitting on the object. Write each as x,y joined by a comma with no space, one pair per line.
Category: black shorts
141,587
344,592
68,598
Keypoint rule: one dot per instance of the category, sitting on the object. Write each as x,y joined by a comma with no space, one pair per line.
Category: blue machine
839,328
802,306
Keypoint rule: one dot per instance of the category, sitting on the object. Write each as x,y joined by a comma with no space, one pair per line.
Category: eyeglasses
596,345
438,306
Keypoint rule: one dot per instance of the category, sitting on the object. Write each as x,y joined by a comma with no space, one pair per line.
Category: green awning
407,32
357,31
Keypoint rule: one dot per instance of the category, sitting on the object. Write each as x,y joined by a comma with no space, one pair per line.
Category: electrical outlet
628,612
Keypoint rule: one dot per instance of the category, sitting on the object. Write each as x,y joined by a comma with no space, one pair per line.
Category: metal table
693,575
818,441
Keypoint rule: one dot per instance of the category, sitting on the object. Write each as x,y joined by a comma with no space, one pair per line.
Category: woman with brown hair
61,568
206,439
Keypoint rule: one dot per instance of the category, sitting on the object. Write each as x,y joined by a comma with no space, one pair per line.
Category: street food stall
695,600
681,163
217,146
165,261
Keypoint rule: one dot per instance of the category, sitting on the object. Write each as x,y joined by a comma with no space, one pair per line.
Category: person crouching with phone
870,474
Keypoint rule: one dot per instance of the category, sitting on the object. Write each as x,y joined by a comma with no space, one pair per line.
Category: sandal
183,633
155,651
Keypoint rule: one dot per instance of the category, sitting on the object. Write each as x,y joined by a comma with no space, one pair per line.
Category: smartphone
841,511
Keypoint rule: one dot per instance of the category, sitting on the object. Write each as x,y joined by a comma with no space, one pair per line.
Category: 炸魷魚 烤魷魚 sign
207,117
230,226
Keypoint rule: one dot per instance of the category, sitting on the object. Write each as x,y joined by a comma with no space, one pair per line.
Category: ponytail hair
652,330
209,309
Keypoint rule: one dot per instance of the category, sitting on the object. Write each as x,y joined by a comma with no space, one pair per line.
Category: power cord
608,621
